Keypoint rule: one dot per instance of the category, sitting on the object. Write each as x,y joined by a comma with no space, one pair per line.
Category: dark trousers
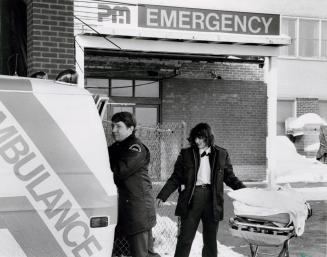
141,244
200,209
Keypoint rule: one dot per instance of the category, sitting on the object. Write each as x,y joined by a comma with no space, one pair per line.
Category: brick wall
50,36
235,109
306,105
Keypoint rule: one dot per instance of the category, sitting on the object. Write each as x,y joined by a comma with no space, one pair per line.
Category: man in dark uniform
129,160
199,174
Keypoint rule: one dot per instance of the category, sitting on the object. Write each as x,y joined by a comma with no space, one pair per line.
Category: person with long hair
199,175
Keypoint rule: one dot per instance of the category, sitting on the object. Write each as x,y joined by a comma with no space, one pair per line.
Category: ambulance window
146,88
121,87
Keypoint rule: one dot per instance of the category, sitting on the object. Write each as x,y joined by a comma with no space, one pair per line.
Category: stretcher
260,231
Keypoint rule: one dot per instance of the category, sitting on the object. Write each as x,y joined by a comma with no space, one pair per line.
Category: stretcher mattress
281,207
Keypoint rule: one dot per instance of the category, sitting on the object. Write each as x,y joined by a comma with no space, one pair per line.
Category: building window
140,97
97,86
147,115
289,28
309,38
285,109
323,109
324,39
145,88
121,87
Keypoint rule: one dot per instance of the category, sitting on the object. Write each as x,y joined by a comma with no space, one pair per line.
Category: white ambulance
57,195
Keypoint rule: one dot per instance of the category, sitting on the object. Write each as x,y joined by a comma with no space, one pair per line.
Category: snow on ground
293,167
165,242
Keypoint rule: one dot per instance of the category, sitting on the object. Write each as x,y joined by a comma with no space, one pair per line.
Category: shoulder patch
135,147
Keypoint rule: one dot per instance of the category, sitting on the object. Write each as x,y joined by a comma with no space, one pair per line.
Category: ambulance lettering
44,189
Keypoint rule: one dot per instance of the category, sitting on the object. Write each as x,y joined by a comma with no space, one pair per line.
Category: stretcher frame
262,233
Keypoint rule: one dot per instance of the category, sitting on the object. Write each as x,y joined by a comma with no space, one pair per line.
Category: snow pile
308,118
296,126
165,240
293,167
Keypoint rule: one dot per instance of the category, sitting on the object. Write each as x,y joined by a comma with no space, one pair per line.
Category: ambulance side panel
54,173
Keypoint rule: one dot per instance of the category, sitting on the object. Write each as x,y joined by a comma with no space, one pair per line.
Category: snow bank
165,240
308,118
293,167
297,126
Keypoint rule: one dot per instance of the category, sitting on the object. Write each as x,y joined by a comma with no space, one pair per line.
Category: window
146,115
324,39
285,109
323,109
140,97
97,86
121,87
289,28
145,88
309,38
116,109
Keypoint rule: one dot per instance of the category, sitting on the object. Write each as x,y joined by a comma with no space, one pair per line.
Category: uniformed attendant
199,174
129,160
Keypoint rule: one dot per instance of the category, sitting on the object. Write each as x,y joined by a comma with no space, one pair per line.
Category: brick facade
50,36
235,109
235,105
307,105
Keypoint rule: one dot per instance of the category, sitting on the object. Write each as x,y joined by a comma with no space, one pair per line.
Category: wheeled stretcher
275,230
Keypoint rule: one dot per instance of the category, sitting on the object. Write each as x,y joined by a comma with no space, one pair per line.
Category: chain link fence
164,142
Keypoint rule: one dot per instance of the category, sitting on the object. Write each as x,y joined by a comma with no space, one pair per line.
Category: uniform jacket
129,160
185,174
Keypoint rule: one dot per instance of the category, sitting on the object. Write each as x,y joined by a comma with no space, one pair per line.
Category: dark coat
129,162
185,173
322,151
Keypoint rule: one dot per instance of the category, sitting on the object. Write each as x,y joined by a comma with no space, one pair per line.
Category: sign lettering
177,18
48,195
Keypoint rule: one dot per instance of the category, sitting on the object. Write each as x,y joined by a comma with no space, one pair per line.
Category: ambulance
57,195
